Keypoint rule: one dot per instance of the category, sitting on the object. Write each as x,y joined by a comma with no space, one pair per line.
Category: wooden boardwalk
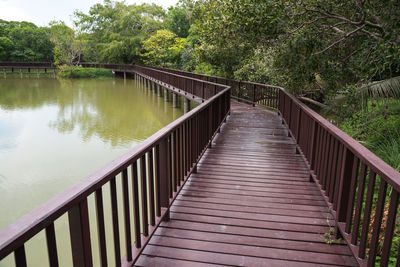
249,204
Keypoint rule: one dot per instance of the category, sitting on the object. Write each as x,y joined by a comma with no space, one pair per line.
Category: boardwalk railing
156,170
249,92
50,65
361,190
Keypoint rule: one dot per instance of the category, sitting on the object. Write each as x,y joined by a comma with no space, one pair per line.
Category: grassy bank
378,128
80,72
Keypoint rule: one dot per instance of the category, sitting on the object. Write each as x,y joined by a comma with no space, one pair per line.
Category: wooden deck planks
249,204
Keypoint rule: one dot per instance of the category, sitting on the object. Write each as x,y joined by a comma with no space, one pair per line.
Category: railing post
313,145
254,95
78,218
298,126
164,176
344,185
202,95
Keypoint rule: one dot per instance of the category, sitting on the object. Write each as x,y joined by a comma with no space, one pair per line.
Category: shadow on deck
249,204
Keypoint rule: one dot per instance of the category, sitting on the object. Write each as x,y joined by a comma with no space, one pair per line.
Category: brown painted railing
156,170
361,190
249,92
357,185
50,65
7,64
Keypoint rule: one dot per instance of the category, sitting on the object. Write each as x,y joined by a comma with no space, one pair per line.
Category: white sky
41,12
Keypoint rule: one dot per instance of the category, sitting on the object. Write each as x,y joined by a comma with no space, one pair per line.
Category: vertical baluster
367,214
196,137
183,150
51,245
143,182
377,222
360,198
78,218
136,218
317,160
175,160
327,145
100,227
321,155
114,209
350,193
332,170
178,156
298,126
187,147
331,166
337,177
170,165
157,179
20,257
191,141
164,178
390,225
313,144
125,192
151,186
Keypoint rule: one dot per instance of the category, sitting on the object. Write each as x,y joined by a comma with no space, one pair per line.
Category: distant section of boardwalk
249,204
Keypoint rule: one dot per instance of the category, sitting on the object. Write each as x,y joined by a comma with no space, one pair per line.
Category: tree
163,47
68,48
115,30
179,18
313,48
5,47
24,41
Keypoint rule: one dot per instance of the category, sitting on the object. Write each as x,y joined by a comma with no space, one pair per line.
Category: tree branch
304,24
312,101
339,41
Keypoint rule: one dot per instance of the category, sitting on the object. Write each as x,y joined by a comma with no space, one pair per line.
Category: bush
80,72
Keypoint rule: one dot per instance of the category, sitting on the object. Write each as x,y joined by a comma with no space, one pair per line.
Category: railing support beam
79,230
164,176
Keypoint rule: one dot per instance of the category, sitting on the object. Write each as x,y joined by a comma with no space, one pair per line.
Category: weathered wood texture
250,204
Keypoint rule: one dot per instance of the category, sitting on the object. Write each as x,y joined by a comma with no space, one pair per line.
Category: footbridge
250,177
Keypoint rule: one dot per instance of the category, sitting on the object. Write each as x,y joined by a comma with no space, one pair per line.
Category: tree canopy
24,41
315,48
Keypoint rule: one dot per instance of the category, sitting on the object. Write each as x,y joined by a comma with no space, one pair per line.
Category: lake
55,132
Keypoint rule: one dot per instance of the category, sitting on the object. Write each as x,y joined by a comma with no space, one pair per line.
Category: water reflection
53,133
116,112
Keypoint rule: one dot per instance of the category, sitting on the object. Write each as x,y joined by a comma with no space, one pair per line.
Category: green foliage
5,48
378,128
382,89
179,18
389,150
68,48
24,41
163,47
66,71
207,69
330,236
115,30
313,48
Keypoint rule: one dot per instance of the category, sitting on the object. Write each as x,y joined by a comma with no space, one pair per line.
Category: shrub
80,72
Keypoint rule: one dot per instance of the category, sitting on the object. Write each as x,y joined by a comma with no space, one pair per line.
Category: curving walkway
249,204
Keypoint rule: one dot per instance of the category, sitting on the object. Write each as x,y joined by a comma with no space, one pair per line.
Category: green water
54,133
